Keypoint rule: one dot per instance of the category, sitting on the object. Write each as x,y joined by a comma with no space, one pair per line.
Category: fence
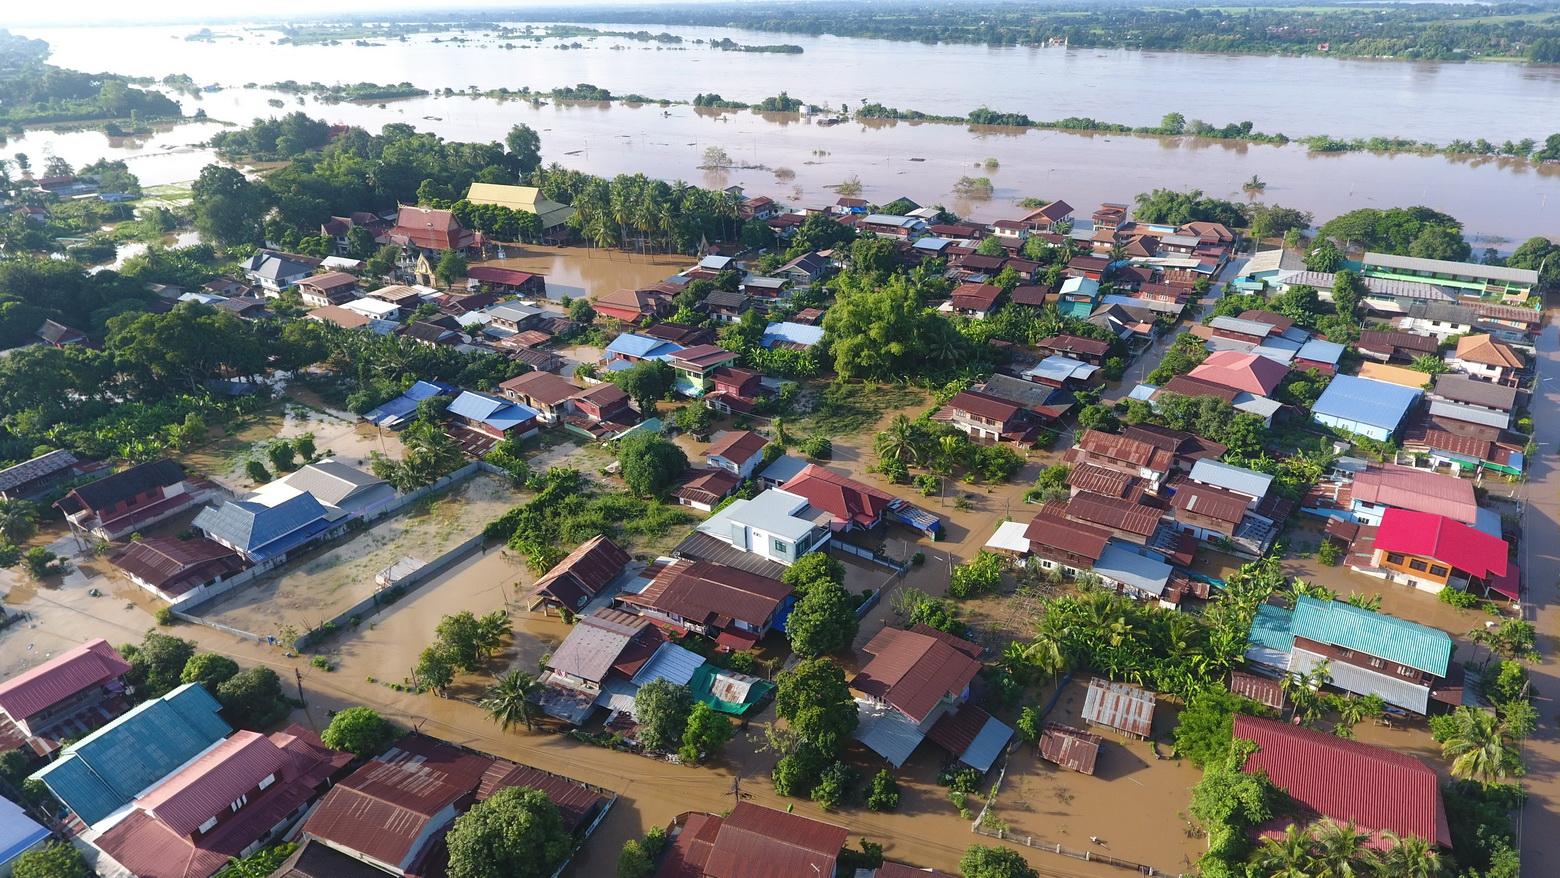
386,596
1087,856
218,626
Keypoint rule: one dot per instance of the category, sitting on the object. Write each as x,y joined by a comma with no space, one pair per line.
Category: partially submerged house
1119,706
131,499
62,698
580,576
1430,552
777,525
177,570
752,842
739,452
34,478
733,607
1373,409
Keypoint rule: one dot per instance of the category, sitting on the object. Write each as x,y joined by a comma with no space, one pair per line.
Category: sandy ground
339,434
315,589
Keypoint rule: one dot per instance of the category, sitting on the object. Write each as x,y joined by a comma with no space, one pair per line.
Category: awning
736,639
1509,585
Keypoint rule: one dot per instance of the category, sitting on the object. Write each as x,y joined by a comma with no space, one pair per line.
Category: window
1375,662
240,802
1406,671
207,826
267,781
1419,565
1438,570
1394,558
781,546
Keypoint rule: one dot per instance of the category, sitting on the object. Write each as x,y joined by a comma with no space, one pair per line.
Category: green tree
511,700
58,859
252,698
646,382
451,268
360,731
228,208
1288,856
433,670
982,861
283,457
816,704
651,464
884,794
209,669
634,861
1477,746
662,708
260,864
705,733
515,833
360,243
525,145
581,312
1407,857
18,521
823,621
885,330
157,663
811,569
977,576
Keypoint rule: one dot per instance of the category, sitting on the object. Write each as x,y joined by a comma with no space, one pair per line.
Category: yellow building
527,199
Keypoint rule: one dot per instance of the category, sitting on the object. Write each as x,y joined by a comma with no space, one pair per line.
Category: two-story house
548,394
330,288
694,367
77,689
976,300
1485,358
1133,457
1049,217
733,607
776,525
1089,350
144,494
733,390
1430,552
989,419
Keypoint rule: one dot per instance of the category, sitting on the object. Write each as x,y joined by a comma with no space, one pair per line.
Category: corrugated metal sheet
886,732
759,842
90,664
1069,747
987,746
1119,706
1337,623
670,662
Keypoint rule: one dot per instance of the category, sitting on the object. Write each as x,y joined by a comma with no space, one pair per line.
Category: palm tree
1286,857
1304,692
1044,654
1340,850
509,700
1407,857
18,521
898,443
1254,185
1477,748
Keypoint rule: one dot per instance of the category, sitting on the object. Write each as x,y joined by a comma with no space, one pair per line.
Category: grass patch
851,409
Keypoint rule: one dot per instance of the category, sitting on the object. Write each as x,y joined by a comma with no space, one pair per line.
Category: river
1500,201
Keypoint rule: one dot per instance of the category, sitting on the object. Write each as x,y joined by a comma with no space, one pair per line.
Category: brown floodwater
1498,200
579,272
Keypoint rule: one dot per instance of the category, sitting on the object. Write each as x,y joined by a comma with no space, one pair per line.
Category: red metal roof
1075,344
844,498
700,592
493,274
690,852
91,664
1418,491
1372,787
1115,513
1435,536
1249,372
1127,451
1210,502
431,229
1050,528
759,842
737,446
976,297
914,671
207,786
176,566
984,405
583,572
1070,747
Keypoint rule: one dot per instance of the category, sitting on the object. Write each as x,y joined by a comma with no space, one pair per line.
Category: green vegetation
567,511
515,833
511,700
1408,231
820,715
662,708
58,859
360,731
32,92
366,92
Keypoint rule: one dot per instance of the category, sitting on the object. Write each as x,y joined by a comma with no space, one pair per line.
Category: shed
1119,706
1069,747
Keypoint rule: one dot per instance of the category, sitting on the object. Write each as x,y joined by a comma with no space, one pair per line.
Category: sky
97,12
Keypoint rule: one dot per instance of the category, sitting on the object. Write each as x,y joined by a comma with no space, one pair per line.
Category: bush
1328,552
165,616
208,669
976,577
257,472
884,795
58,859
634,861
833,785
1464,599
360,731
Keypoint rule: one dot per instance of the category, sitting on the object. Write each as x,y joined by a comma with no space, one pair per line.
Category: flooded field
336,434
580,272
310,591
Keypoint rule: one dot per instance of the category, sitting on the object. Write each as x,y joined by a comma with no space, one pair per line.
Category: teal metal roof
1270,628
106,770
1398,640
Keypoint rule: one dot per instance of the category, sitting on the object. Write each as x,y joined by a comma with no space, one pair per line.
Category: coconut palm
1304,693
899,442
1477,747
1285,857
1340,850
1407,857
18,521
509,700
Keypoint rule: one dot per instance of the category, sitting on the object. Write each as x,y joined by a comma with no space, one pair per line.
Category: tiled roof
1249,372
737,446
1431,535
91,664
759,842
915,671
1487,351
430,229
1338,623
1373,788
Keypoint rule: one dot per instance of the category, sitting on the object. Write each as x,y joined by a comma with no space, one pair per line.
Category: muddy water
579,272
1304,95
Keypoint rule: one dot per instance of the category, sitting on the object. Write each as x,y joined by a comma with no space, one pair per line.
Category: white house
776,525
374,309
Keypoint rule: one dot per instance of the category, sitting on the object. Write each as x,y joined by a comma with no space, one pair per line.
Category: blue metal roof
105,770
987,746
1365,401
670,662
18,832
400,409
428,389
1342,624
794,333
261,531
1320,350
641,347
1270,628
498,413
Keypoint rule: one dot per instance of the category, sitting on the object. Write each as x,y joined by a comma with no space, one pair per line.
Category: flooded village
376,503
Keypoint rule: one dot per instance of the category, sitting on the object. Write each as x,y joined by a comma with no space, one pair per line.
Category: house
131,499
1247,372
753,842
1399,375
1267,266
694,366
58,335
1429,551
1187,448
498,279
168,790
851,504
603,647
1125,708
1441,320
739,452
1373,409
1059,543
1049,217
547,394
393,812
1464,390
733,607
339,228
1088,268
376,310
1132,457
1042,401
1401,347
173,569
777,525
733,390
1126,518
342,489
265,529
513,316
1069,747
19,834
1322,775
680,334
1135,571
1319,354
1367,653
791,336
525,199
1063,372
244,308
1244,333
399,411
1109,215
431,334
492,416
274,272
975,300
1078,296
1207,512
989,419
330,288
401,295
34,478
1377,489
890,226
1469,279
915,681
805,269
342,318
580,576
727,307
424,230
1089,350
604,404
633,348
70,693
1482,357
763,287
1382,296
704,489
1010,229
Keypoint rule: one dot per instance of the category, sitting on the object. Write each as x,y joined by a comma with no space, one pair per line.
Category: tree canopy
515,833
